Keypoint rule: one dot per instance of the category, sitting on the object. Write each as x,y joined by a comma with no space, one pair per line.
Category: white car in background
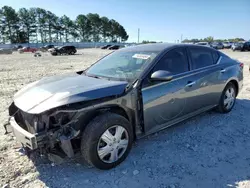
52,49
227,45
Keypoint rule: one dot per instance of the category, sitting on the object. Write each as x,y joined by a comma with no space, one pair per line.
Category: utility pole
138,35
181,38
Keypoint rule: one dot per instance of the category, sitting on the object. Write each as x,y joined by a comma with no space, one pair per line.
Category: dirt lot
210,150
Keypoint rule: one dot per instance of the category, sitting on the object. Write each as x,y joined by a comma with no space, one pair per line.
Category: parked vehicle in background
52,49
27,49
5,51
236,46
16,47
203,44
217,45
124,96
106,46
245,46
64,50
114,47
46,47
227,45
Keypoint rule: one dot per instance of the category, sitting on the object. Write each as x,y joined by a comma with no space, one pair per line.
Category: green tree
122,34
50,23
83,26
209,39
40,25
95,23
58,30
27,23
105,28
9,24
114,29
68,27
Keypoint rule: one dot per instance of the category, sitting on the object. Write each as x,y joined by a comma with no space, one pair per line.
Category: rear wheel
227,99
106,141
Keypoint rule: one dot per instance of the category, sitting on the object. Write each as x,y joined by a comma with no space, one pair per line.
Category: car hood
51,92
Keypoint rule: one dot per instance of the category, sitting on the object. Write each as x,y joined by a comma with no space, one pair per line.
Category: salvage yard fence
76,44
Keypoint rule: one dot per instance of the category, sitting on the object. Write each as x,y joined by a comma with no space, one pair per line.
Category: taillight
242,65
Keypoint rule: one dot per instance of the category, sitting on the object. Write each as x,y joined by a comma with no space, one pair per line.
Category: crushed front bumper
27,139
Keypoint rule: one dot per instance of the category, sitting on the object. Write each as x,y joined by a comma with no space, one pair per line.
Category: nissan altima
126,95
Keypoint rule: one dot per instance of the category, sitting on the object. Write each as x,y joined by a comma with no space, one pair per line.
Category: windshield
238,44
122,65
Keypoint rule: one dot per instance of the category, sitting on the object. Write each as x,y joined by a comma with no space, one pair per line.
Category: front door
164,101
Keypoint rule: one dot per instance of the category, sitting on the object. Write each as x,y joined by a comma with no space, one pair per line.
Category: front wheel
106,141
227,99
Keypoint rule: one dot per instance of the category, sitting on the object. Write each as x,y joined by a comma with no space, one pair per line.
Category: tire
92,141
225,108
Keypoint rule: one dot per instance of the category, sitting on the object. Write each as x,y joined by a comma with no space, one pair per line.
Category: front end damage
45,132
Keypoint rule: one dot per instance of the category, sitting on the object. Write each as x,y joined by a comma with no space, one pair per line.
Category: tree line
37,25
211,39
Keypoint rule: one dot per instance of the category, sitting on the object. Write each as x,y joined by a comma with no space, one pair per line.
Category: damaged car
126,95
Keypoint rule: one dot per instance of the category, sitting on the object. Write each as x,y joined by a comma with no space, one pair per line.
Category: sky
159,20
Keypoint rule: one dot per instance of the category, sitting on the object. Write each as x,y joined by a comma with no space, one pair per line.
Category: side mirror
161,75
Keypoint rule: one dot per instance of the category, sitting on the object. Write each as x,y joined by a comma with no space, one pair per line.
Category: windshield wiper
93,76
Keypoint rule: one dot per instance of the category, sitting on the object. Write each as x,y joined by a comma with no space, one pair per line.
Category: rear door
205,73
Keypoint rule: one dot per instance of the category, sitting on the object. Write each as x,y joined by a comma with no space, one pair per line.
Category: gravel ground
210,150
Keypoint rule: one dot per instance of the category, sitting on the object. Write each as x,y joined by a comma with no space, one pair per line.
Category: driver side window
175,62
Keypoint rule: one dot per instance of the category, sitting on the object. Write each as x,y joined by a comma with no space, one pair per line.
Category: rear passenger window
174,62
215,56
201,57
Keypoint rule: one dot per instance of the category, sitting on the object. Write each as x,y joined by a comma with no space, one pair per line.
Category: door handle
190,83
223,70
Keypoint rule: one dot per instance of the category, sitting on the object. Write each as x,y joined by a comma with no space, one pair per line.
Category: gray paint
56,91
169,102
163,104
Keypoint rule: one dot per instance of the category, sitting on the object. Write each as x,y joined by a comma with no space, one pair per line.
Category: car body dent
56,91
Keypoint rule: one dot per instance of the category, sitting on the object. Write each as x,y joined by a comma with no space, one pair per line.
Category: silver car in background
203,44
217,45
126,95
237,46
227,45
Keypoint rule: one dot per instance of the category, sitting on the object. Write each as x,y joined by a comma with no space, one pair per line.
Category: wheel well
235,83
91,115
120,111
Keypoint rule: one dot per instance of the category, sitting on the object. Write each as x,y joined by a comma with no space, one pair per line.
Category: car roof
155,46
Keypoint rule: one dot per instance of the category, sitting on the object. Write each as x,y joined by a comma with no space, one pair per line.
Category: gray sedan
126,95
